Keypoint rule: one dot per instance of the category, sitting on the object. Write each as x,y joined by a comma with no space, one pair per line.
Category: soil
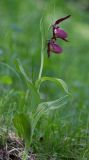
13,149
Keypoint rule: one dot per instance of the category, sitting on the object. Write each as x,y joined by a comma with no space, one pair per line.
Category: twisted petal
61,19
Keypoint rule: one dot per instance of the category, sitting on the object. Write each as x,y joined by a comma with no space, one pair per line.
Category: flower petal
55,47
61,19
60,33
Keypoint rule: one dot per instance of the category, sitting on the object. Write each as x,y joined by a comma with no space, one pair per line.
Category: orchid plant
25,123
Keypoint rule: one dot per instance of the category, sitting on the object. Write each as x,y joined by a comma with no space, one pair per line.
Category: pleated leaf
58,82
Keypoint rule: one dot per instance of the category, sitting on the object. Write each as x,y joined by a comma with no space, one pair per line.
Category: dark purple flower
57,31
53,47
60,33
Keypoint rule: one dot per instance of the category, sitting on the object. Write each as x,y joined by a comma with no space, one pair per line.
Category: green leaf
44,107
22,124
37,116
34,96
54,80
56,104
23,72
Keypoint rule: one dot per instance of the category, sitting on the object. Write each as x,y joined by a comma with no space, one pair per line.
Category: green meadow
61,133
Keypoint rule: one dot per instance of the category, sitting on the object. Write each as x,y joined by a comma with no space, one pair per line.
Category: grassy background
65,132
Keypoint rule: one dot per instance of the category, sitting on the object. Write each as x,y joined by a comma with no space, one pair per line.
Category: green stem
42,61
42,53
25,152
25,155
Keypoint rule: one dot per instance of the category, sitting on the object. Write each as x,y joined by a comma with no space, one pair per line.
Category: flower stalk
42,51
